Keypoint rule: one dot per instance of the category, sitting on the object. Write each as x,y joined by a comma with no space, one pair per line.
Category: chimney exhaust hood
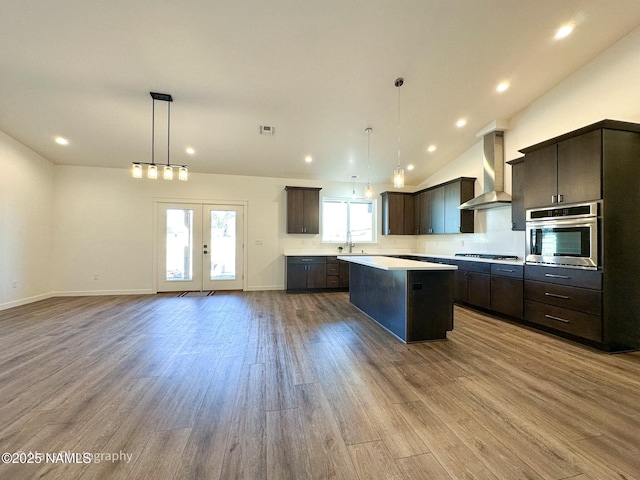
494,195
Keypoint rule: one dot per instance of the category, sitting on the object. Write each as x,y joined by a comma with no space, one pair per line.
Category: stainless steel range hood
494,195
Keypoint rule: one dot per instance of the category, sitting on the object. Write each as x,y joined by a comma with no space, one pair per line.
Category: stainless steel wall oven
566,236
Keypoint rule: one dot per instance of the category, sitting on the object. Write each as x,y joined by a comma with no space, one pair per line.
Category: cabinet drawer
504,270
333,281
312,259
576,323
332,259
573,277
480,267
574,298
442,261
333,269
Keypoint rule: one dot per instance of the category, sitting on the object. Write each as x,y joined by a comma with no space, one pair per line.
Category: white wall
104,226
26,224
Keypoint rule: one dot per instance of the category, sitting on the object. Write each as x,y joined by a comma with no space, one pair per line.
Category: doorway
200,247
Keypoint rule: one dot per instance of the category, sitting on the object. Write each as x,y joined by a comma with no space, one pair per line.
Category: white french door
200,247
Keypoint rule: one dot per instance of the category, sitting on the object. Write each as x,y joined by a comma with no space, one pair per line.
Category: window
342,215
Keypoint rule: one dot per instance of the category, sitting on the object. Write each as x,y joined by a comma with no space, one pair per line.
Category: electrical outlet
95,276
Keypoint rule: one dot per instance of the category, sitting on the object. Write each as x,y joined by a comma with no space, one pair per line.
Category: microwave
566,236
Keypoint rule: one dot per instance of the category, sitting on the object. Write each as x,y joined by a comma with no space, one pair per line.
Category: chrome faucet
350,243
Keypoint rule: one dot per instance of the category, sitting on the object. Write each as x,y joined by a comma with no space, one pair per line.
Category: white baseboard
91,293
25,301
260,288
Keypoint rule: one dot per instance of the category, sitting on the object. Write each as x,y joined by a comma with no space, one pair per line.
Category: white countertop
309,253
390,263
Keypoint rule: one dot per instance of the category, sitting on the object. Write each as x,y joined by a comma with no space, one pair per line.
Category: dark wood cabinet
316,272
422,212
507,289
472,283
437,207
455,194
303,210
568,171
580,168
397,213
518,219
306,273
430,211
565,300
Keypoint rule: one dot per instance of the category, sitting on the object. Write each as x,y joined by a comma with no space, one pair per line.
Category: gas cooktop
488,256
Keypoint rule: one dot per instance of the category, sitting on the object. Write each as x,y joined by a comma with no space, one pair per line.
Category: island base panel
415,306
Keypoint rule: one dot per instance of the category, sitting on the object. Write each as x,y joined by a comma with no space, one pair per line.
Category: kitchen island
413,300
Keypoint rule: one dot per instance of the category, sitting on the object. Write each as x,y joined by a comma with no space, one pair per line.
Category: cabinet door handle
555,295
505,270
307,259
550,275
560,198
554,199
551,317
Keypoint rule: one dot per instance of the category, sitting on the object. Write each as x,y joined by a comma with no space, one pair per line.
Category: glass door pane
223,259
223,245
179,245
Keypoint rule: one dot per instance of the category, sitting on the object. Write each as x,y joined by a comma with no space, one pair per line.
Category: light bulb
152,172
398,178
136,170
183,174
368,192
168,173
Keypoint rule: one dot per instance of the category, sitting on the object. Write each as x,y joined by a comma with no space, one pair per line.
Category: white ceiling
320,72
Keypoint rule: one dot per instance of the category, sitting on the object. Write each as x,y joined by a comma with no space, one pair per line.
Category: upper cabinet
397,213
456,193
303,210
517,194
430,211
568,171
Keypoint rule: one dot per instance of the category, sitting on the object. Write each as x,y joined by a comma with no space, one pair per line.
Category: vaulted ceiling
319,72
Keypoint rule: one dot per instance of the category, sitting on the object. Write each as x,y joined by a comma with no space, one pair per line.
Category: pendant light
152,167
353,186
398,173
368,190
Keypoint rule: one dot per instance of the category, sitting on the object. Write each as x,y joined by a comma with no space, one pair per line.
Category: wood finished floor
265,385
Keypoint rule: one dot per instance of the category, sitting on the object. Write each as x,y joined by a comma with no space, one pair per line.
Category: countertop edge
389,263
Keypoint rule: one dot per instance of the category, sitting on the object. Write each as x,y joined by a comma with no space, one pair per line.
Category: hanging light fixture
152,167
398,173
353,186
368,190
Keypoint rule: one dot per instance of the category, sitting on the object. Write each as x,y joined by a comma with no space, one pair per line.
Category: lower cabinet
472,283
491,286
317,272
565,300
507,289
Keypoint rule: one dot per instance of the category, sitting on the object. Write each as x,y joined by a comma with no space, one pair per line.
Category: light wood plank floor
265,385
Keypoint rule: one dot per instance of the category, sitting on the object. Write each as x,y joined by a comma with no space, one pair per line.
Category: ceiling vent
267,130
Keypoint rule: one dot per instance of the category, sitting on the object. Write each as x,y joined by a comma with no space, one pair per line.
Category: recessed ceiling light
564,31
431,149
461,123
62,141
502,87
410,167
308,159
190,150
